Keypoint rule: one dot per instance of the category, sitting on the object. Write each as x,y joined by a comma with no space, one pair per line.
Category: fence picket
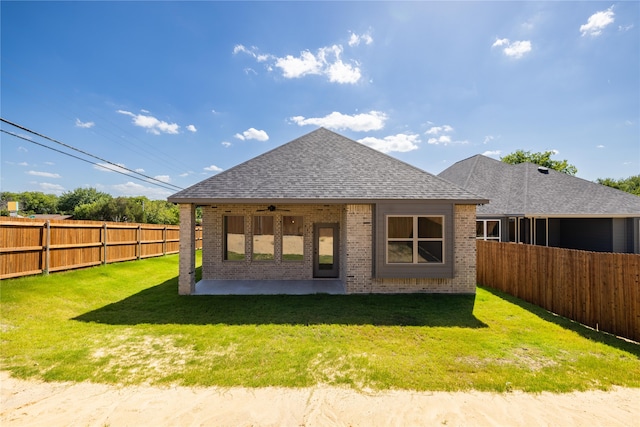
30,246
601,290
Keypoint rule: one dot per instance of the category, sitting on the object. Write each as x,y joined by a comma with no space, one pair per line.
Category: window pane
234,238
263,238
400,252
400,227
480,229
292,238
430,227
512,229
493,229
429,252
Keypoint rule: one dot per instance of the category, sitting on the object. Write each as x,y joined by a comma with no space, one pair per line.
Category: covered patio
270,287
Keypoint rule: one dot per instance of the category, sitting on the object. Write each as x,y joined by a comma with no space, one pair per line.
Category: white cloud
226,144
139,170
491,153
106,167
152,124
47,186
163,178
22,149
49,163
373,120
339,72
84,125
554,152
356,39
400,143
23,164
252,133
182,175
597,23
305,64
625,28
327,61
213,168
440,135
436,130
192,128
44,174
442,139
500,42
132,189
253,51
515,49
488,139
600,146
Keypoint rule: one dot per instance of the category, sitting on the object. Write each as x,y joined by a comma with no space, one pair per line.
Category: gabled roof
320,167
526,189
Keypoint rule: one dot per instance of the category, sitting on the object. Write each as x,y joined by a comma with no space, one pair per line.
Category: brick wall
213,266
356,250
464,280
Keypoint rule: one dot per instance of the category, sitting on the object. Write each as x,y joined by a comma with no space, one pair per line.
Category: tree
36,202
80,196
630,185
541,159
161,212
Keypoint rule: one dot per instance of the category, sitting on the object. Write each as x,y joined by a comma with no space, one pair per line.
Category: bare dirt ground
33,403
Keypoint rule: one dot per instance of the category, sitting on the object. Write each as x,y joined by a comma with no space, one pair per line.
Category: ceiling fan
272,208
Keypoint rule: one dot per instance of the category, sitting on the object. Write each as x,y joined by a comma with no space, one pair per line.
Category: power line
84,160
28,89
86,154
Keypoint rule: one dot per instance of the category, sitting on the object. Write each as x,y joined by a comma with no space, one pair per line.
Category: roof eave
318,201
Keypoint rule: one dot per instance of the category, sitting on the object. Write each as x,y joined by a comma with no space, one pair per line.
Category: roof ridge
472,169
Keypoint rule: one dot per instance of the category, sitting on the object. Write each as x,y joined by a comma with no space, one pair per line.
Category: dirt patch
33,403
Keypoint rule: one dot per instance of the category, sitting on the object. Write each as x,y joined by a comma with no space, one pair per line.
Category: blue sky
180,91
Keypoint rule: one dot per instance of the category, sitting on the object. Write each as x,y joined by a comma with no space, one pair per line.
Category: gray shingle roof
322,166
523,190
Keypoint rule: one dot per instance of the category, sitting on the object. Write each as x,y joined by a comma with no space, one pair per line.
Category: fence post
47,257
104,243
139,241
164,240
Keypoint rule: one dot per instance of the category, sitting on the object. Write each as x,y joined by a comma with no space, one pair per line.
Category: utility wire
28,89
84,160
87,154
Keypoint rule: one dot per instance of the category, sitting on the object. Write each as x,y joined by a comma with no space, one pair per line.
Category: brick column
187,274
359,248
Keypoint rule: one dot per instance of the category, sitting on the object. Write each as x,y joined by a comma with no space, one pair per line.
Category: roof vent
542,169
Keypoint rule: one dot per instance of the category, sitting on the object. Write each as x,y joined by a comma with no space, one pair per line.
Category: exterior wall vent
542,169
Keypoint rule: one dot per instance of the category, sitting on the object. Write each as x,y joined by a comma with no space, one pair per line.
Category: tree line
91,204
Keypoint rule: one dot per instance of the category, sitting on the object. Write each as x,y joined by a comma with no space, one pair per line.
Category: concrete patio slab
270,287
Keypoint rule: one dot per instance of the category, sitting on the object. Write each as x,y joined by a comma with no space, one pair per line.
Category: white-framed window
488,229
415,239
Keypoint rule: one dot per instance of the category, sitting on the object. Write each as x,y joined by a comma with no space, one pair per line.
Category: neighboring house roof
527,189
50,216
322,166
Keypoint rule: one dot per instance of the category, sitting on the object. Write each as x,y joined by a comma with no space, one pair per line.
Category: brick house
324,206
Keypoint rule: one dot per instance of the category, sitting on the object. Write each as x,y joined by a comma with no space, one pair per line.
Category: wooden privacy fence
31,246
601,290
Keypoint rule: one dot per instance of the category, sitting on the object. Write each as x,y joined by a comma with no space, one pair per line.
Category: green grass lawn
125,324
